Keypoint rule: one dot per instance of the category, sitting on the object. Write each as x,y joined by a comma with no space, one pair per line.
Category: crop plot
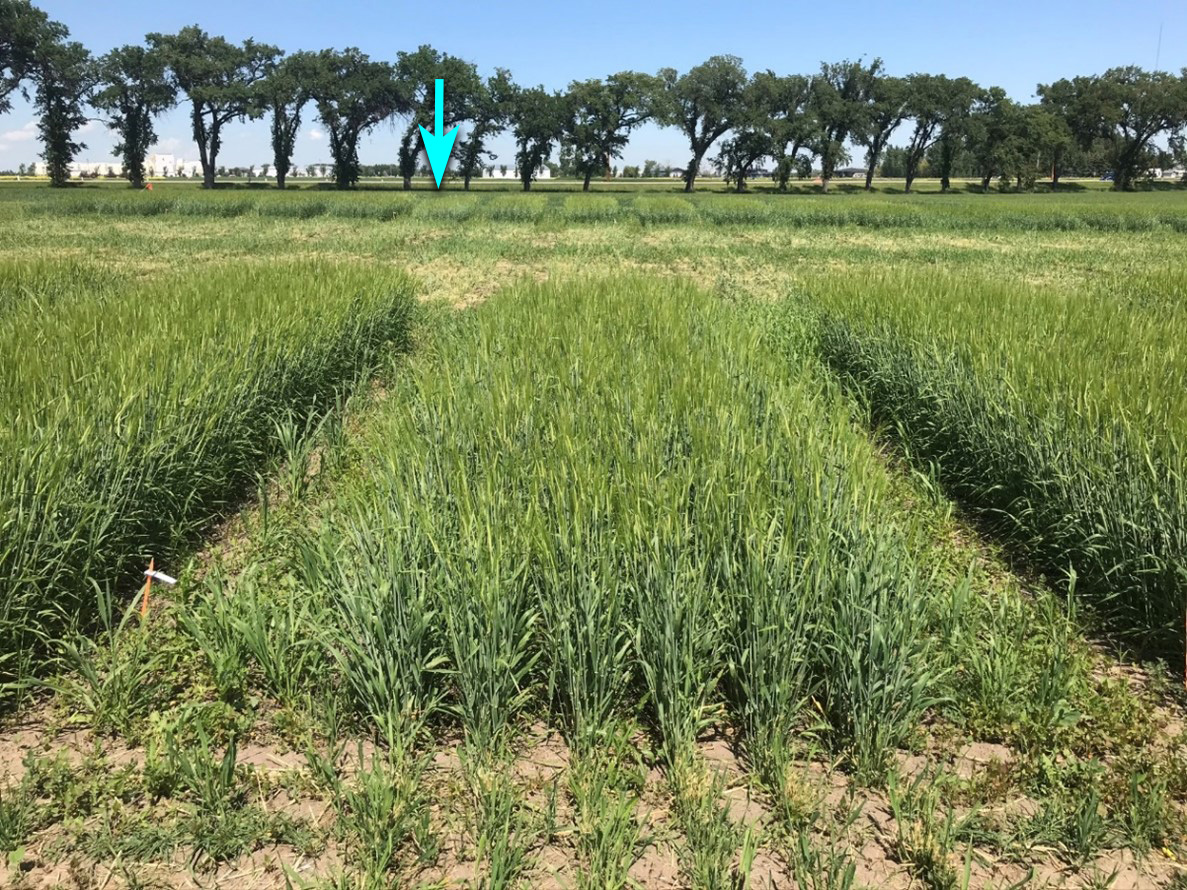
781,558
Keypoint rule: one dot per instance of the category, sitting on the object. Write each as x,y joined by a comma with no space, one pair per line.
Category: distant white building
511,173
155,166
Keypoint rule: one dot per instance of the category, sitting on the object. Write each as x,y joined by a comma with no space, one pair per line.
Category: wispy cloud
316,135
27,133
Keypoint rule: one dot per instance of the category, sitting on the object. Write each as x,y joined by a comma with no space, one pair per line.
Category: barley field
621,539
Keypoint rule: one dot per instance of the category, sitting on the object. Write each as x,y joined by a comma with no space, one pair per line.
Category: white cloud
27,133
168,145
316,135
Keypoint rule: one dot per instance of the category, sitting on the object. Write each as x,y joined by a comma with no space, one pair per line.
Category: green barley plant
608,836
128,424
378,812
1059,418
617,490
583,618
279,633
501,824
385,641
676,644
491,652
821,860
210,779
1144,819
210,623
296,441
711,839
878,676
18,817
220,824
926,831
117,677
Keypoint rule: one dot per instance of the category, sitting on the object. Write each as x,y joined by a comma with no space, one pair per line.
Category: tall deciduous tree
1066,128
353,95
220,78
739,154
538,122
133,88
996,136
284,92
704,104
64,73
602,114
416,73
932,100
489,111
23,29
840,99
888,108
790,123
753,136
1125,108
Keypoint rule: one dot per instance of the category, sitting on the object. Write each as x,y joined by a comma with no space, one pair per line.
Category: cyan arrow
438,147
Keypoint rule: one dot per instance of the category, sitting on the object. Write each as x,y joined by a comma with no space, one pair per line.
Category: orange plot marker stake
153,575
147,587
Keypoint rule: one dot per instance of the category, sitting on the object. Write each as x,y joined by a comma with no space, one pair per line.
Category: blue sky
1013,44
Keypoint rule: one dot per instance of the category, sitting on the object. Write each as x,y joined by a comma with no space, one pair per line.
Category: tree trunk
824,181
910,179
280,179
527,183
407,183
466,181
945,183
870,177
690,175
985,184
208,177
588,176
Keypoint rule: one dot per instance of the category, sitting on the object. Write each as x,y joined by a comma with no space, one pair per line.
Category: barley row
605,493
1091,212
1061,418
132,417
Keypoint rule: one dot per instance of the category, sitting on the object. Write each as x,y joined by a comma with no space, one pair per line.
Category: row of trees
797,121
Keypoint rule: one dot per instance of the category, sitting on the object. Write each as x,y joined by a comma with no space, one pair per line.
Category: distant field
593,540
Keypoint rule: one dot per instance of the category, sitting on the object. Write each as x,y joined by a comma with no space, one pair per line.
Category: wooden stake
147,588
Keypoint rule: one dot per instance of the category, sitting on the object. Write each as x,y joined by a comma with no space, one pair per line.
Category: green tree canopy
841,102
353,95
887,109
416,73
704,104
220,78
933,100
23,30
755,130
538,121
991,134
64,73
133,87
287,87
1126,109
489,112
602,114
789,124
